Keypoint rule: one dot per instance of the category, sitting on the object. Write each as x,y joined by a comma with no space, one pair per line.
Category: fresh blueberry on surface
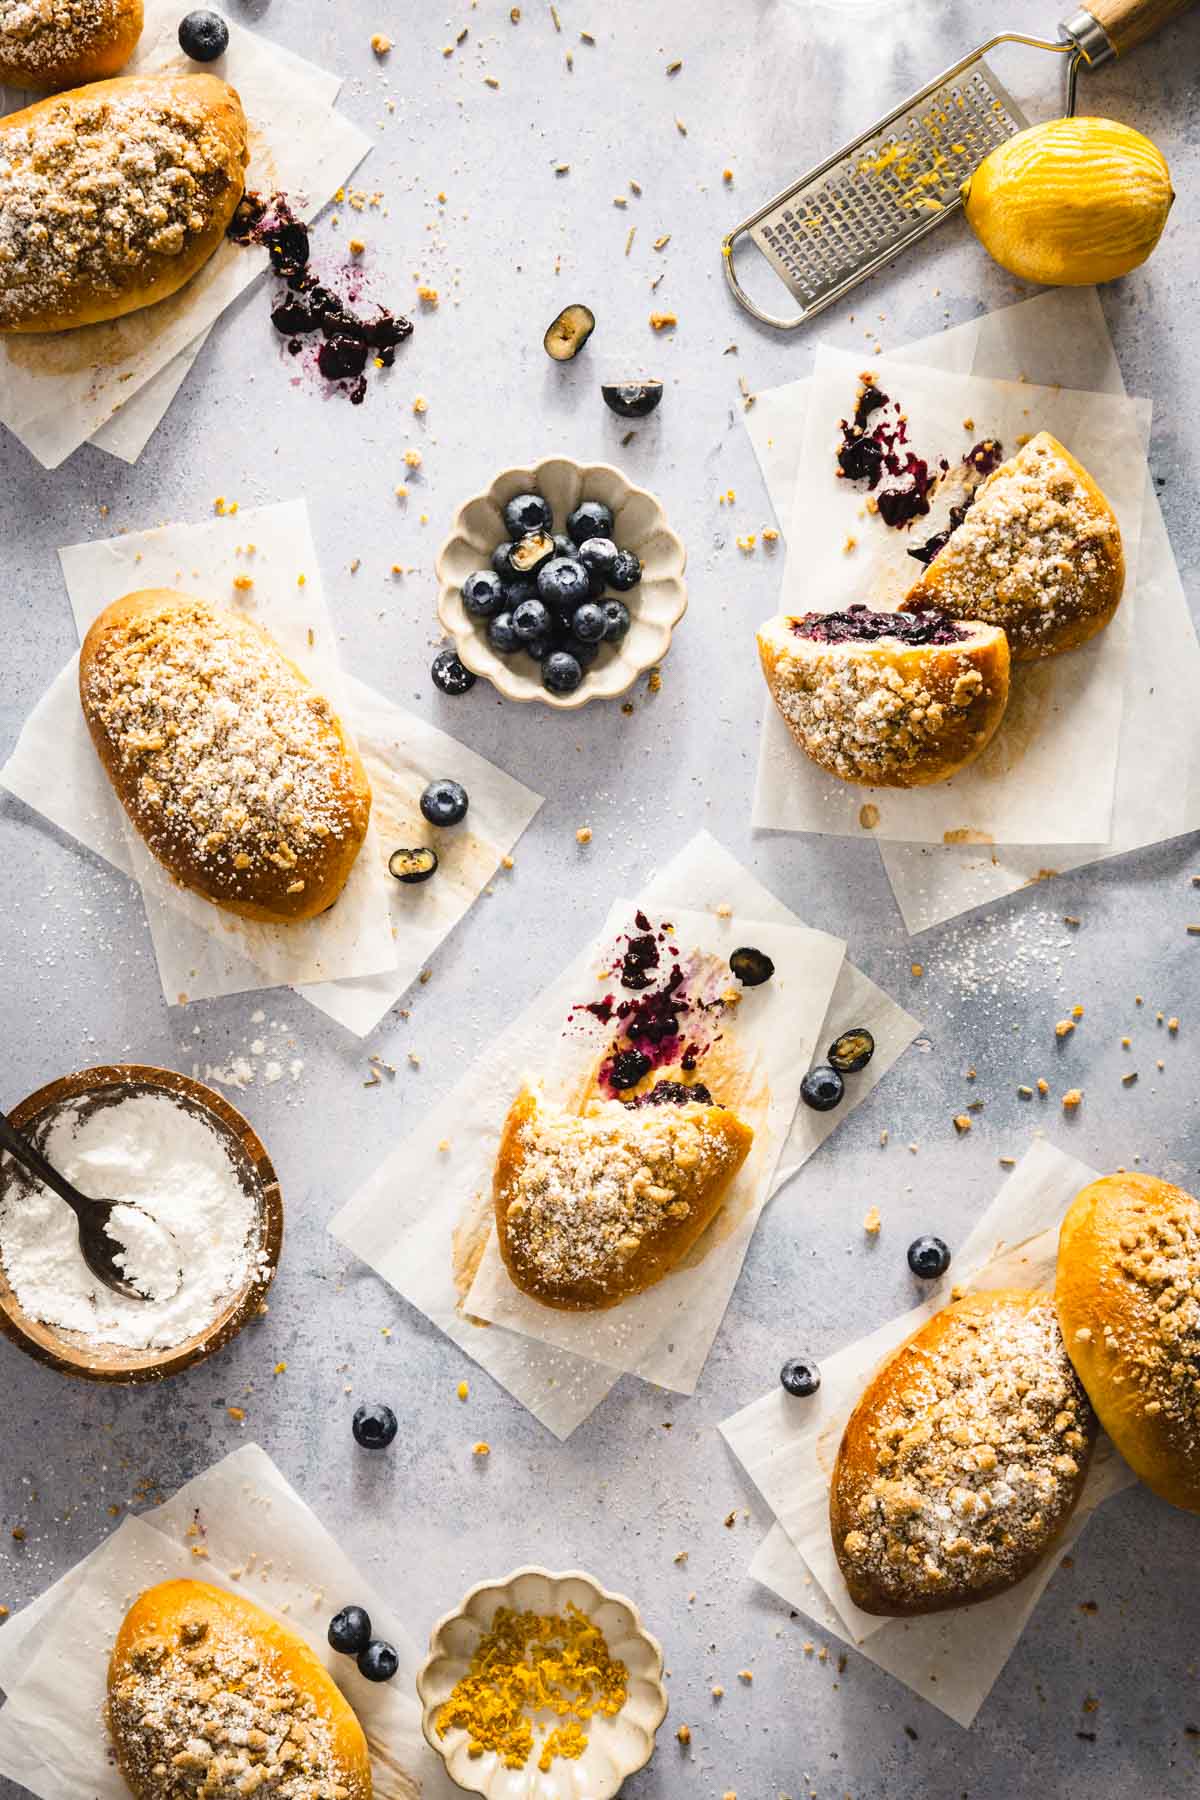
616,621
527,512
626,572
800,1376
531,619
500,559
350,1630
928,1257
587,622
632,399
500,634
378,1662
412,867
444,802
203,35
566,335
561,672
591,518
752,967
851,1051
822,1088
597,555
374,1427
451,675
483,594
564,583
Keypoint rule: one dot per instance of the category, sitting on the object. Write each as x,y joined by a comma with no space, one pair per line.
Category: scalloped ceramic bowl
616,1747
657,603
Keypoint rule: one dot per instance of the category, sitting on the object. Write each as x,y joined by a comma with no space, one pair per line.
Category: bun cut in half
1128,1297
963,1460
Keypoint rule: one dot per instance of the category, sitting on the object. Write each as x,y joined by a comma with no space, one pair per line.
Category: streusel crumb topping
231,759
42,33
1030,550
1160,1350
589,1192
979,1458
208,1714
89,191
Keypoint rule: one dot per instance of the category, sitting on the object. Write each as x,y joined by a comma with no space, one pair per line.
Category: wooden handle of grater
1130,22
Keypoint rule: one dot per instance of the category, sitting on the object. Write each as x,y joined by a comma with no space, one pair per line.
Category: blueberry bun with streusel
896,700
54,44
591,1209
963,1460
1038,553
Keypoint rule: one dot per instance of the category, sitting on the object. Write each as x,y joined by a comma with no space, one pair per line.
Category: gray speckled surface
766,88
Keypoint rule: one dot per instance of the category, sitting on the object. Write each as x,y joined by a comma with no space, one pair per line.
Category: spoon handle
31,1158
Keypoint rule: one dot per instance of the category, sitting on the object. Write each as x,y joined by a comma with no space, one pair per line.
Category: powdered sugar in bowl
177,1149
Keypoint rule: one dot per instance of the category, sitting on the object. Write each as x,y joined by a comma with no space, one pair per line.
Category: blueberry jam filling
980,461
878,454
671,1093
859,625
306,307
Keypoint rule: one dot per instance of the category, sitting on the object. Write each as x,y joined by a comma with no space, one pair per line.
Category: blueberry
752,967
444,802
626,572
616,621
584,653
537,649
482,594
590,519
500,559
598,555
530,552
516,590
350,1630
413,866
531,619
928,1257
203,35
800,1376
451,675
527,512
822,1088
851,1051
563,545
564,583
378,1662
632,399
500,634
587,622
374,1427
628,1067
566,335
561,672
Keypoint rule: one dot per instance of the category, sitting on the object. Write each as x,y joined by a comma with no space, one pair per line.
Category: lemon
1070,202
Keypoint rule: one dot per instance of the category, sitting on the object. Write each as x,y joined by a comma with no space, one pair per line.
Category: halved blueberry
752,967
591,518
531,620
567,335
851,1051
625,573
527,512
482,594
561,672
564,583
632,399
530,552
413,866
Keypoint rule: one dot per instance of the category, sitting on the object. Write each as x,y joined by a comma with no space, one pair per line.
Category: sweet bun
1128,1297
592,1209
963,1460
50,44
1038,553
209,1696
114,195
234,770
886,699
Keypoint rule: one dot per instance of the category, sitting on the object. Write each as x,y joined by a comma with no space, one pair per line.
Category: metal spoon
98,1245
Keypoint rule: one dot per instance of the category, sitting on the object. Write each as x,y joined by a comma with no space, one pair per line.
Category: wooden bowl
656,605
616,1748
70,1351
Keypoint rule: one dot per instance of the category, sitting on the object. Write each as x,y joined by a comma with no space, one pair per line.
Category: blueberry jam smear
671,1093
877,454
980,460
307,307
859,625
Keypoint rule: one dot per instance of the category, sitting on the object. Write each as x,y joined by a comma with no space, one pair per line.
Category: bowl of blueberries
562,583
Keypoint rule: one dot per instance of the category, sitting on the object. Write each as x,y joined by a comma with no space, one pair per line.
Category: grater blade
882,192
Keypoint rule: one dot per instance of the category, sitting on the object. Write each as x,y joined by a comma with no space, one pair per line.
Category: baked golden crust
885,713
963,1460
208,1696
592,1209
234,770
114,195
51,44
1128,1297
1039,554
